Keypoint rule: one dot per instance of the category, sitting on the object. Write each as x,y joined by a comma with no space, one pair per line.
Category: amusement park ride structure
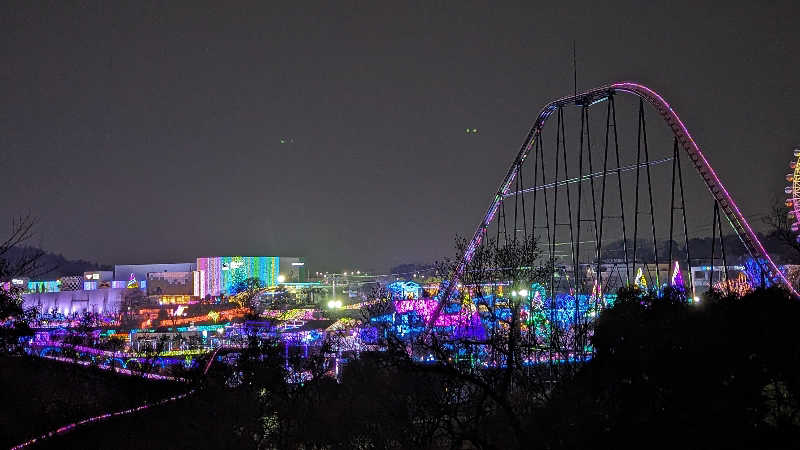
793,191
682,140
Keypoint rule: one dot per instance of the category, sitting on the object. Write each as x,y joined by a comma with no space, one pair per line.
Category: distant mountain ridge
52,266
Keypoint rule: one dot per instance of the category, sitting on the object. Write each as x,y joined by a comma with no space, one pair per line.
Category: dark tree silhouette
14,319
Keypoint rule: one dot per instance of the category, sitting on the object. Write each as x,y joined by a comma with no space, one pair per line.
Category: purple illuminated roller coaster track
684,138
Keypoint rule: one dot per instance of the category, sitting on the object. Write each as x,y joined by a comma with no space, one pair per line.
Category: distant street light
334,304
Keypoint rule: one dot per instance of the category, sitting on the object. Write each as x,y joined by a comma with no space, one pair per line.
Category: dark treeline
410,268
779,240
53,266
723,373
782,251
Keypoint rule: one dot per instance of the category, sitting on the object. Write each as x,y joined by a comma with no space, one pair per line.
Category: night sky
152,132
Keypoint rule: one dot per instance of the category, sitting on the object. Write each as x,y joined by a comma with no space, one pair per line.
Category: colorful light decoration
290,314
738,286
345,323
226,315
597,291
44,286
213,315
404,290
677,278
132,283
100,352
538,293
537,319
640,280
426,307
222,273
175,300
759,276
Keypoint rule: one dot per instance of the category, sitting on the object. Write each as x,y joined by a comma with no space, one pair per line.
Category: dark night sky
151,133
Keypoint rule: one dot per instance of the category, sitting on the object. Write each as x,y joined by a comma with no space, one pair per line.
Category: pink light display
71,426
677,278
426,308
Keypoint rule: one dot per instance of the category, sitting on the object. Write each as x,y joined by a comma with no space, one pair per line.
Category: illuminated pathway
72,426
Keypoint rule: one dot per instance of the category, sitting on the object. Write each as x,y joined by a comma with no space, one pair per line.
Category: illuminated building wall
199,277
68,302
71,283
293,269
221,273
93,285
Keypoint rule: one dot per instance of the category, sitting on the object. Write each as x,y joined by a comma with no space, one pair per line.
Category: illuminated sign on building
174,299
98,275
43,286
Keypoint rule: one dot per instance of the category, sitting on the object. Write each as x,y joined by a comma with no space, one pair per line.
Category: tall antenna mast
574,69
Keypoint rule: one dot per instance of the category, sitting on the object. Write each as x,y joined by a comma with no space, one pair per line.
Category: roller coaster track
726,203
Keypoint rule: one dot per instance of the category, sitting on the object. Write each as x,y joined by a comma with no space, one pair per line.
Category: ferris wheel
793,191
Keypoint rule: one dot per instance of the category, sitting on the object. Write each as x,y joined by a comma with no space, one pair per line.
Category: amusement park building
209,277
221,274
140,271
101,301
